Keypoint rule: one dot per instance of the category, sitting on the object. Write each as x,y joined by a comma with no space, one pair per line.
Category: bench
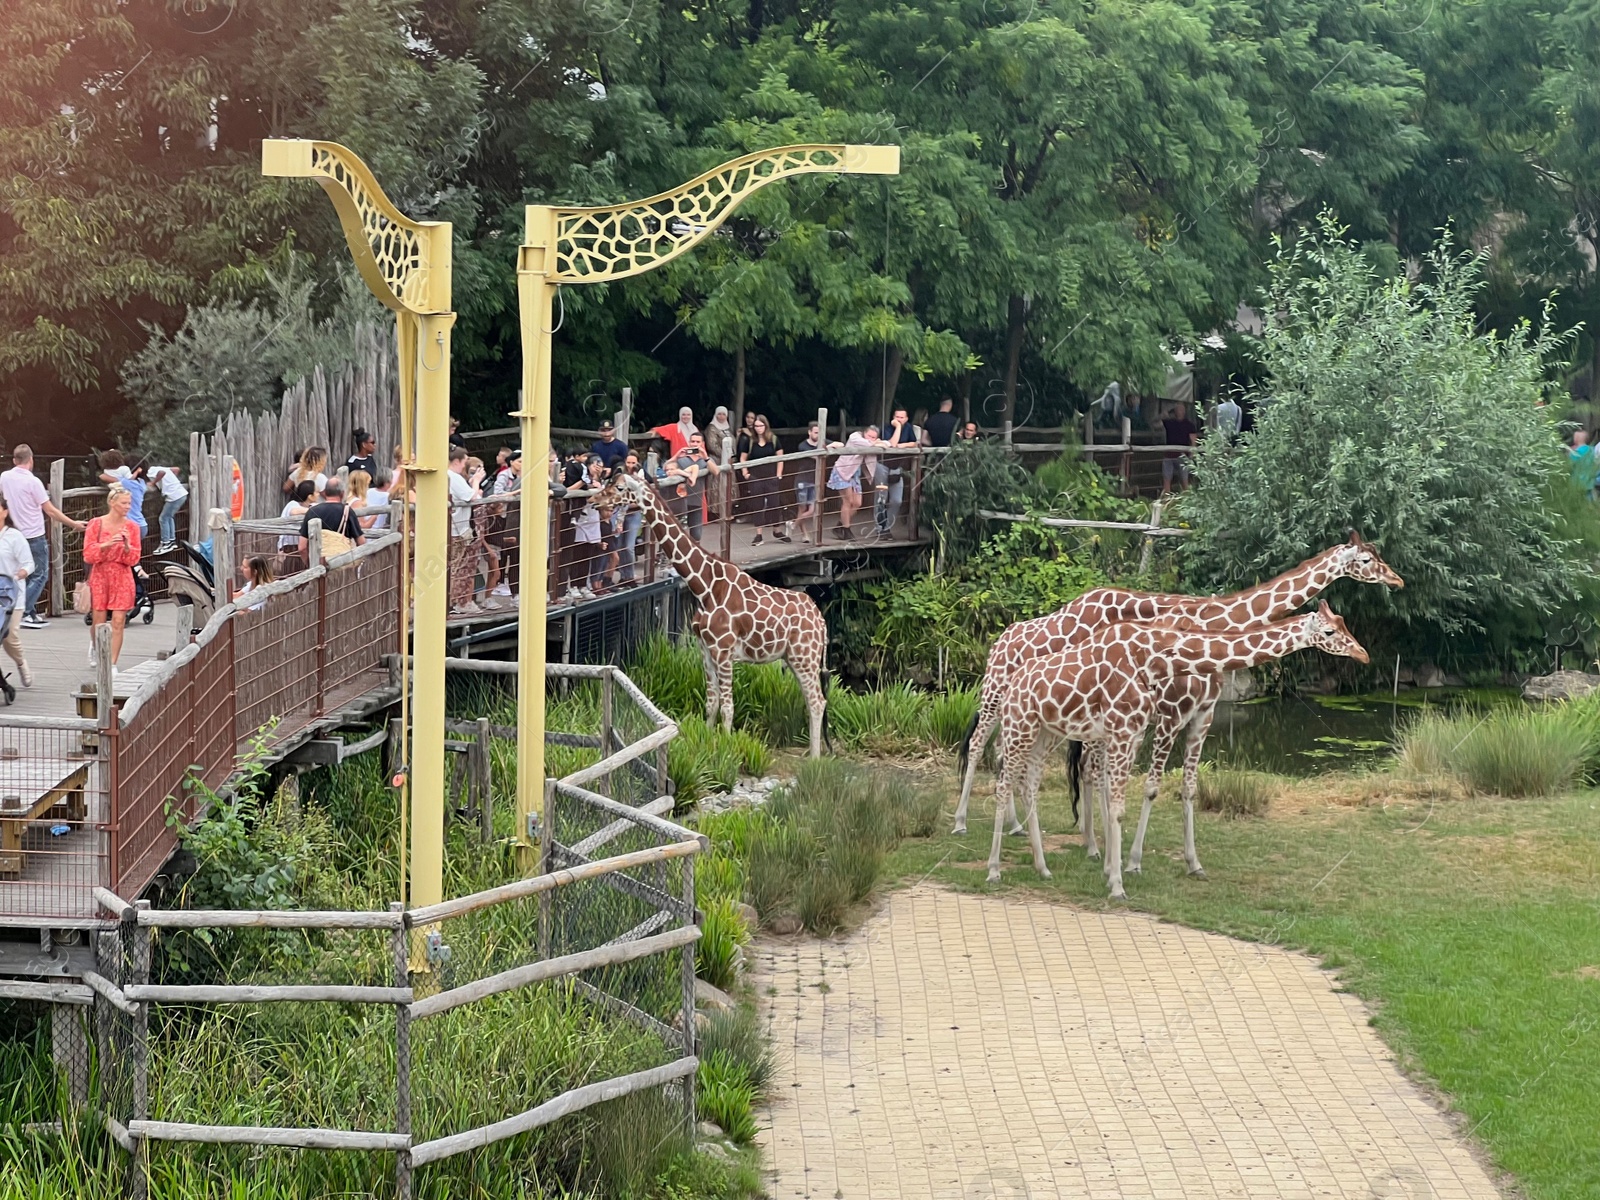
31,789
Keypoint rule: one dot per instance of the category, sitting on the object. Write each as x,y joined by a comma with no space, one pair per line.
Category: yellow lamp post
596,245
407,265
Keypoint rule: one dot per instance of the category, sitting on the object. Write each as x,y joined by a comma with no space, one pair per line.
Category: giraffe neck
1280,596
696,566
1212,653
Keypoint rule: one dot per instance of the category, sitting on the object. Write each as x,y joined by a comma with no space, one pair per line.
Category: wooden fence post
820,492
608,692
400,951
484,781
140,1181
728,497
1149,539
55,531
221,556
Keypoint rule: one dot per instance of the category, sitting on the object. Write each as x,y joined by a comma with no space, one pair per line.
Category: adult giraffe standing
740,619
1102,691
1274,599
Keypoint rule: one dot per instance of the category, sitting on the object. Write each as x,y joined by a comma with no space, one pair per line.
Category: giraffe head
1328,634
630,487
1360,561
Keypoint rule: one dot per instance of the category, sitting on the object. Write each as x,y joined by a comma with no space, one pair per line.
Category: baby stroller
191,582
143,606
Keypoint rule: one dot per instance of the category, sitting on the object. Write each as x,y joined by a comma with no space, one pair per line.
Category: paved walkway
968,1047
59,656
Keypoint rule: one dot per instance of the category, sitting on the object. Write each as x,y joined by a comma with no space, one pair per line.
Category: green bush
737,1034
672,674
1232,793
704,759
727,1095
821,842
949,716
722,939
1511,750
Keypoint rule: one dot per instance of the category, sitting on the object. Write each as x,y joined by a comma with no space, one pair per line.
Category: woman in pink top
111,551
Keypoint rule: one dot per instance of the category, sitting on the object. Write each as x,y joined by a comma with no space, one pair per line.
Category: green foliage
1233,793
737,1034
722,938
671,673
704,759
950,620
1386,409
972,476
819,845
727,1095
1512,750
767,702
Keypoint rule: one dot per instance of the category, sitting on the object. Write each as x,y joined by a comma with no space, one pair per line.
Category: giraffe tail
966,744
1075,775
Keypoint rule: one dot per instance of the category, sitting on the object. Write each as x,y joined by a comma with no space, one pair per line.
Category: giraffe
740,619
1103,690
1275,598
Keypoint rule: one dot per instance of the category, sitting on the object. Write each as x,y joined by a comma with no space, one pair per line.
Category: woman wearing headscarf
718,432
678,435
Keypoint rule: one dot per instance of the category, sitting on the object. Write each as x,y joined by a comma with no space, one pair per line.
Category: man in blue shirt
610,449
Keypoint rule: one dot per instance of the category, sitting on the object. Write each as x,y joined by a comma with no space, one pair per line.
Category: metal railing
609,923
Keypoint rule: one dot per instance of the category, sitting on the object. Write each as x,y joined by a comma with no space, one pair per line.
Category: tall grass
1232,793
1512,750
818,846
900,719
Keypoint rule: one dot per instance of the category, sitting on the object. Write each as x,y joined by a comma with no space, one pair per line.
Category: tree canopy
1085,187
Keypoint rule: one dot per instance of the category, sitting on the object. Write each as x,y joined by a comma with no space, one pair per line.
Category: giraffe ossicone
740,619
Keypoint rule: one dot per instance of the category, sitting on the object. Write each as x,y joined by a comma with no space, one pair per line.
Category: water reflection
1306,735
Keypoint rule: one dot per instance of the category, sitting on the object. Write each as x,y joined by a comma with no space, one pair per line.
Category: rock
708,996
1238,686
1405,677
701,1022
1562,685
749,915
1430,676
785,924
710,1129
715,1150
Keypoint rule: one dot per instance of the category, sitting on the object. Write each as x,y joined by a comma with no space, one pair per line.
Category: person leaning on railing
340,528
463,571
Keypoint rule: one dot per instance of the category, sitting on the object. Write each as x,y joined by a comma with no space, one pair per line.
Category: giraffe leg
1016,749
1031,802
1093,771
713,687
1198,728
1160,749
988,719
809,676
1119,765
725,678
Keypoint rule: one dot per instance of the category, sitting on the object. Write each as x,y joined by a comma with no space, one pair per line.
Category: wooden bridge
96,770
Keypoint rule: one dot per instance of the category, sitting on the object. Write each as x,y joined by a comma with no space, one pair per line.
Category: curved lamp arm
406,263
593,245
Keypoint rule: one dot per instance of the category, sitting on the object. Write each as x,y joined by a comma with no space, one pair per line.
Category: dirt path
963,1047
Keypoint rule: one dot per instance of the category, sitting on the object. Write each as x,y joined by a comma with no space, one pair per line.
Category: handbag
82,602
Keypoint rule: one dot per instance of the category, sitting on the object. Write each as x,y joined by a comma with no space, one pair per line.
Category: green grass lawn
1471,927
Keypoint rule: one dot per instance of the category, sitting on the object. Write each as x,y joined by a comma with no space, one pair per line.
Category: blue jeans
626,541
886,505
169,519
40,576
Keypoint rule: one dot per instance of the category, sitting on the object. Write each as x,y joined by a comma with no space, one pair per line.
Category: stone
715,1150
1238,686
1561,685
1430,676
710,1129
786,923
709,996
749,915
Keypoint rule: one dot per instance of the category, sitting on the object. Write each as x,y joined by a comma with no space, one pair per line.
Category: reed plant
720,950
1510,750
1233,793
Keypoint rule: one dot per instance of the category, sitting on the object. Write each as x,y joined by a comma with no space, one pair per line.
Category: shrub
737,1034
1509,751
727,1095
704,759
722,938
1232,793
635,1139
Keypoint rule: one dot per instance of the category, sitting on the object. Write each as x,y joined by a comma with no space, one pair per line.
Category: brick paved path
963,1047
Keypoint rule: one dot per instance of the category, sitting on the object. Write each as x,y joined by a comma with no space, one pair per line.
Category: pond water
1306,735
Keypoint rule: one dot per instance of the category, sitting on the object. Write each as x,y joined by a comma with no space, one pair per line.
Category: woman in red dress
111,550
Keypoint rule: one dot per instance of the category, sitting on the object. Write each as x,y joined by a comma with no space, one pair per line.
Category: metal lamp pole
407,265
597,245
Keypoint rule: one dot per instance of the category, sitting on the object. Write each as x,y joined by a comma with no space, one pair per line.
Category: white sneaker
34,622
94,659
502,590
25,673
469,609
